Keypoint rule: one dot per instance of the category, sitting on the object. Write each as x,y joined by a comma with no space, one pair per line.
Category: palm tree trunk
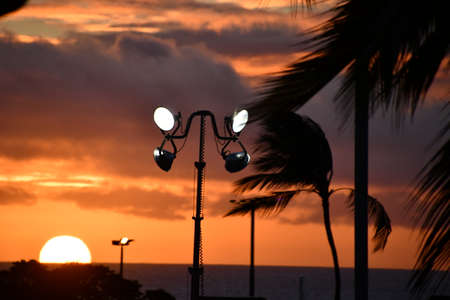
361,179
326,219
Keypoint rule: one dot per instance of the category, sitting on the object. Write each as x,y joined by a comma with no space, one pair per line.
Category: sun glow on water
65,249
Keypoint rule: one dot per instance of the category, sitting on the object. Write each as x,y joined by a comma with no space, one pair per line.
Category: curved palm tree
295,157
387,53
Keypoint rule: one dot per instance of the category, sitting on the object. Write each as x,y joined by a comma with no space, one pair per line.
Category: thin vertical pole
196,270
361,180
252,252
121,261
301,295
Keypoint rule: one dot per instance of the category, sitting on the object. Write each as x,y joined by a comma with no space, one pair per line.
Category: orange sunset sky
79,81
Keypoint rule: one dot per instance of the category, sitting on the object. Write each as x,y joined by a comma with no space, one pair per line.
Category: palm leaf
431,201
292,152
404,42
380,218
266,205
295,86
263,181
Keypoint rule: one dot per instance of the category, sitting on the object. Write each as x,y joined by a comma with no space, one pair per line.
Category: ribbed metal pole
196,270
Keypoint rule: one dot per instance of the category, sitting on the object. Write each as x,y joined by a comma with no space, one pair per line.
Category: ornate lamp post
169,124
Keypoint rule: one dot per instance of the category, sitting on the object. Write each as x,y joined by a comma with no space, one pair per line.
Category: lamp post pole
234,162
122,242
121,261
196,271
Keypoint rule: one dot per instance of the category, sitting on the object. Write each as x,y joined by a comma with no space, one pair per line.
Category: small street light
169,124
252,246
122,242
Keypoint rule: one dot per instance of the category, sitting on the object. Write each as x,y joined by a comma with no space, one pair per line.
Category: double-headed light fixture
122,242
234,162
169,124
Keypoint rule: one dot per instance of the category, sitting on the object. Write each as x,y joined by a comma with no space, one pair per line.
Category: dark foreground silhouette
9,6
32,280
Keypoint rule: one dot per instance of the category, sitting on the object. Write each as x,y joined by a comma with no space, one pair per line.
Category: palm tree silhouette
432,196
388,53
8,6
294,157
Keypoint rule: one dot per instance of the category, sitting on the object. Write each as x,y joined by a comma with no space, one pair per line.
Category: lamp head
163,158
237,161
239,120
164,118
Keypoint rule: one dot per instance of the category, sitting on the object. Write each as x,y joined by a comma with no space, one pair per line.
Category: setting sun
65,249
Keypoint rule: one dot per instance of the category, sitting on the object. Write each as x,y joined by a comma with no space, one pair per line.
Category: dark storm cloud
160,5
94,96
135,201
160,25
143,48
259,39
15,195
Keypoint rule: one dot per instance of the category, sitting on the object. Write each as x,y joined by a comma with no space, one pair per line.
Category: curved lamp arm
224,152
233,137
167,137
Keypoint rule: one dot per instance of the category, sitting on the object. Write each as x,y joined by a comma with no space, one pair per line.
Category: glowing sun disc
65,249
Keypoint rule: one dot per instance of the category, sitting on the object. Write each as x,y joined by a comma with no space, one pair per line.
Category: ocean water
272,282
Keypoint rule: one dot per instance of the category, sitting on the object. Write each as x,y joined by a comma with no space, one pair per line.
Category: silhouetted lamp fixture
122,242
235,162
163,158
240,120
169,124
164,118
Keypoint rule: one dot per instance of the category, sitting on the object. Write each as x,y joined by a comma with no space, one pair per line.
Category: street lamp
122,242
252,245
169,124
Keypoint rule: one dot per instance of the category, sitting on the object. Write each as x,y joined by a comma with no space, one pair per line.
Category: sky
80,80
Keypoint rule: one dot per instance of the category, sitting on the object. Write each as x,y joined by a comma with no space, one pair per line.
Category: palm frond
404,42
380,218
266,205
297,84
292,151
431,202
263,182
404,56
